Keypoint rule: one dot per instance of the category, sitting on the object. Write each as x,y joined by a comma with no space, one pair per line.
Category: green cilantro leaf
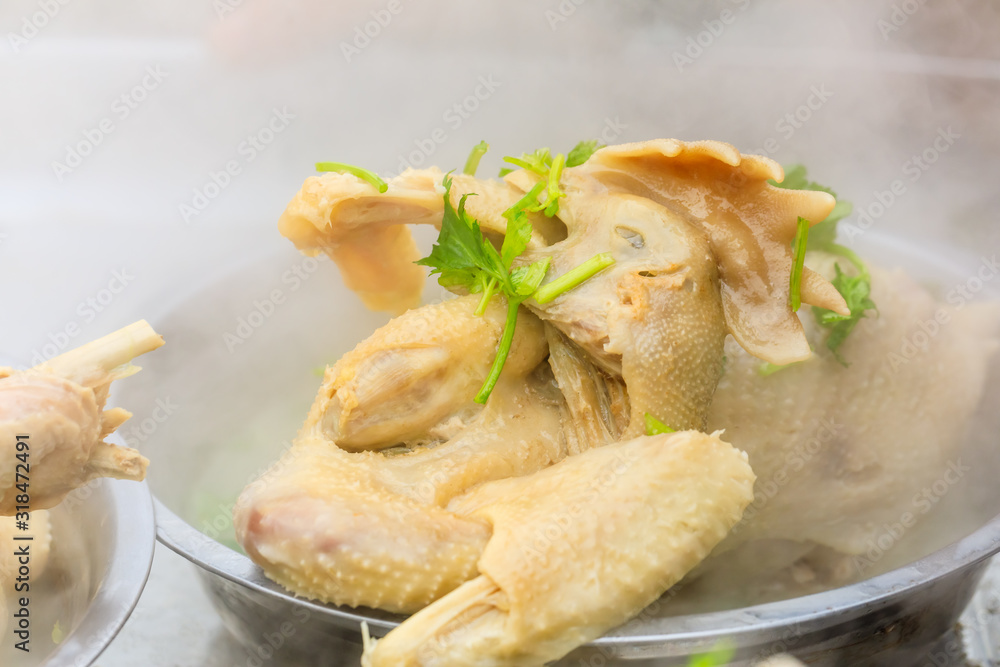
340,167
655,427
550,168
463,258
582,152
856,290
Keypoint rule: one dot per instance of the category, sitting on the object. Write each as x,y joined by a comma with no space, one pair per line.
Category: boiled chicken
867,438
53,416
400,492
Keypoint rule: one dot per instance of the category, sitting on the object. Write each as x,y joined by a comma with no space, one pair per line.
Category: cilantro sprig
550,168
855,289
464,258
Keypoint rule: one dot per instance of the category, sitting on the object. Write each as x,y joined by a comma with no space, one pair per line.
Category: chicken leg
53,416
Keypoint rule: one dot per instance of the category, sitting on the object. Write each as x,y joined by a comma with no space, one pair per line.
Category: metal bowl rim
835,604
768,619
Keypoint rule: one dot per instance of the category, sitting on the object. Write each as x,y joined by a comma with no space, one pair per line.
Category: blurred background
148,149
162,140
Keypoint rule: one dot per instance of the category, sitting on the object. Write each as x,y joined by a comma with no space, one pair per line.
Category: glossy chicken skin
643,336
562,567
369,529
699,237
56,411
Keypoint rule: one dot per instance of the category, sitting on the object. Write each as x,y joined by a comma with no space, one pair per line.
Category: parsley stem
503,349
573,277
472,163
799,262
487,295
554,193
364,174
851,256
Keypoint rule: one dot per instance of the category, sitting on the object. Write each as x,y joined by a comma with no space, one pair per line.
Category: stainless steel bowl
255,384
102,549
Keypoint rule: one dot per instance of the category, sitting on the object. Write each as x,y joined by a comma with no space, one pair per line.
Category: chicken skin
400,492
53,416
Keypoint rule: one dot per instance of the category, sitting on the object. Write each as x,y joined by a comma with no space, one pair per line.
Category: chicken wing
562,568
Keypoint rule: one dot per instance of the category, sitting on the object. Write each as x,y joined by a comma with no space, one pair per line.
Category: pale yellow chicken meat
53,417
400,492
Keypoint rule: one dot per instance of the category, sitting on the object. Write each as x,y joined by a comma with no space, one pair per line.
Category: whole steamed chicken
578,485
